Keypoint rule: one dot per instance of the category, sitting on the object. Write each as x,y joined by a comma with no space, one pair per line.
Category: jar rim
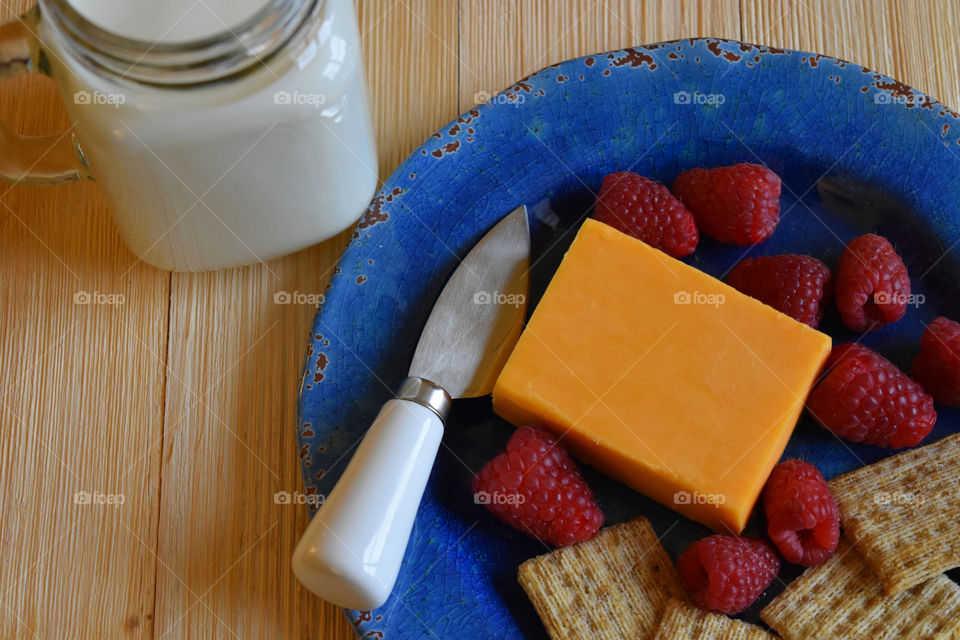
235,50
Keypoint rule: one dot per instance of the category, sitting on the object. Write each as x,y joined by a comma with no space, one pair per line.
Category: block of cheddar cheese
661,376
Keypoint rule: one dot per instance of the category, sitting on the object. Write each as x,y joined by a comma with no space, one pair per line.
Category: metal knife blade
477,319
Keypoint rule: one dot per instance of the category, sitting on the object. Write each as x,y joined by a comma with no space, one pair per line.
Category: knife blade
477,319
350,553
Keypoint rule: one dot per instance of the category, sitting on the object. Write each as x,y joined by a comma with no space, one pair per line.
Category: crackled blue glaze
857,152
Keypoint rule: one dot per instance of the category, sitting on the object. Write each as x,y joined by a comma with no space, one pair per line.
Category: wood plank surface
181,399
81,402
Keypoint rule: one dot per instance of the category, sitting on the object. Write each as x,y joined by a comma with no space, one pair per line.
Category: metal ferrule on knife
426,393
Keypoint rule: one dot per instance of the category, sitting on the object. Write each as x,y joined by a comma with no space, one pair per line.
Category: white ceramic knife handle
351,552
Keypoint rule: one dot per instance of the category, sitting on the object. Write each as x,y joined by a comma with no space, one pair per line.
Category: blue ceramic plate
857,152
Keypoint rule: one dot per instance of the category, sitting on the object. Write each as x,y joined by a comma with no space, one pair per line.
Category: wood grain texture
182,398
914,42
504,40
81,396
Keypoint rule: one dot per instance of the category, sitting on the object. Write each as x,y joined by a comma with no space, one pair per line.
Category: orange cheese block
661,376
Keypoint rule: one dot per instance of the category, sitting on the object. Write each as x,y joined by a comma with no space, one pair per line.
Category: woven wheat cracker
843,598
682,621
611,587
903,513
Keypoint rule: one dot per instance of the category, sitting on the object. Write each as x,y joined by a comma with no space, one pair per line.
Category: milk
232,172
167,20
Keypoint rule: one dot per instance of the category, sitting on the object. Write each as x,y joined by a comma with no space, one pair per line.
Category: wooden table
182,398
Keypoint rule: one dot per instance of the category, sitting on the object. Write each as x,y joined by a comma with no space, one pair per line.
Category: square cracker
682,621
903,513
611,587
843,598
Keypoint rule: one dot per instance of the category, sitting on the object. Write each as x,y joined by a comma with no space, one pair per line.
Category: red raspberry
798,286
937,366
536,487
866,398
872,284
802,517
648,211
726,573
738,204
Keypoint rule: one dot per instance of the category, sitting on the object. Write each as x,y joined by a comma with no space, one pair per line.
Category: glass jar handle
33,160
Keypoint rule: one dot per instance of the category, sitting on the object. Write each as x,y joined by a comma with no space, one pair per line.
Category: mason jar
219,138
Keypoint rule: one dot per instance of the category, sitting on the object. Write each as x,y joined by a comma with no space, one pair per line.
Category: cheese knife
350,553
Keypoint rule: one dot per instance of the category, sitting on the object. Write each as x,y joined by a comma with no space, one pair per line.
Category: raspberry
648,211
866,398
802,516
726,573
937,366
536,487
738,204
798,286
872,284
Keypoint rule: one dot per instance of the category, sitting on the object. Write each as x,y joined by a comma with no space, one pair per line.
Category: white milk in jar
214,174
